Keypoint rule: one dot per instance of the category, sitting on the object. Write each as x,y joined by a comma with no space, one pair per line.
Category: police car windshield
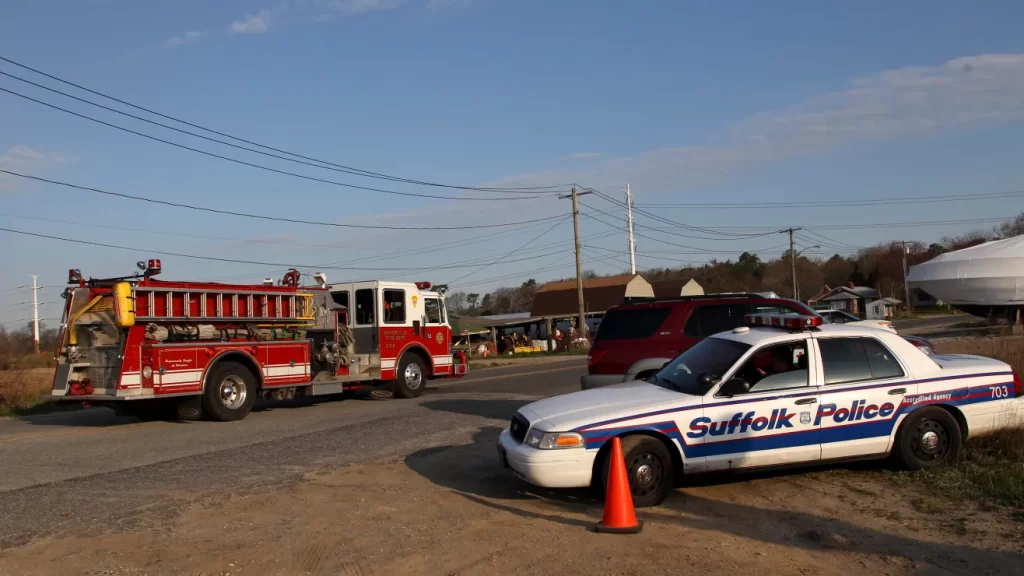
711,356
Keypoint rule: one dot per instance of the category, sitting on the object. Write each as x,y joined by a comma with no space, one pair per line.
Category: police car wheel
648,467
928,438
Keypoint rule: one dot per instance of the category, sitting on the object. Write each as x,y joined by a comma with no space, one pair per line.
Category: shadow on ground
813,532
492,409
473,471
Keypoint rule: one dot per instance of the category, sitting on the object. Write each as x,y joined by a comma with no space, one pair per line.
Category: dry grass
1009,349
22,390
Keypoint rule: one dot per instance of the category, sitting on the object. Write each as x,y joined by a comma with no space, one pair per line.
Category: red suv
636,339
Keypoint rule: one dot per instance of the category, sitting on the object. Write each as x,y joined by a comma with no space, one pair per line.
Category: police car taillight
791,321
1018,389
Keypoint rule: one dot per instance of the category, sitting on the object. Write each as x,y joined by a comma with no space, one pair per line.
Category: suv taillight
595,357
1018,389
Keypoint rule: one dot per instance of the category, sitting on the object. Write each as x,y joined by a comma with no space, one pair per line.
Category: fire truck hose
345,338
198,332
73,333
177,332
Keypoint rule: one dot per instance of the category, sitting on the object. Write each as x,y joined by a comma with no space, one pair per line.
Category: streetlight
796,287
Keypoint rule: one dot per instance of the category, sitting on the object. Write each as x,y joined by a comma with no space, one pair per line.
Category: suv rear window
631,324
714,318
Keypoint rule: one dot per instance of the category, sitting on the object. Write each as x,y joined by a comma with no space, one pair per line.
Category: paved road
925,324
90,470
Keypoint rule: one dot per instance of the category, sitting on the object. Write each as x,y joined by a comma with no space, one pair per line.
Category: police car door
864,385
772,422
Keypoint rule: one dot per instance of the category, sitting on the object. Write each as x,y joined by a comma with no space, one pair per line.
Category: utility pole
630,243
582,322
792,259
35,315
906,287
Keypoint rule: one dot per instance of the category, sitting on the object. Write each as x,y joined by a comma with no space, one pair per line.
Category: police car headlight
554,440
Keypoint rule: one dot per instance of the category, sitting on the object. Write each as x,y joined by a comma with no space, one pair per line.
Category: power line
550,268
238,261
663,231
320,165
638,254
911,224
564,263
621,261
920,223
696,249
164,233
831,241
663,219
260,166
534,239
635,233
454,243
656,254
348,169
260,216
841,203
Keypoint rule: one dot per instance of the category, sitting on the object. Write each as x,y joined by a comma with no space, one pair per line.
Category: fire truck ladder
182,304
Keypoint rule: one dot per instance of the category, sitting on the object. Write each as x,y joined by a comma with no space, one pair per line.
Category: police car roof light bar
790,321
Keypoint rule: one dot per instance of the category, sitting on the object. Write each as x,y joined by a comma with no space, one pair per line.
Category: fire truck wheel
411,378
229,392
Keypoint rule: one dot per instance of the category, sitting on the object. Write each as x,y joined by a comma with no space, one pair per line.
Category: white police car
782,390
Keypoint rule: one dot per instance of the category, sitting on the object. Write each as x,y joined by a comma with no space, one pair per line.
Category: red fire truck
149,347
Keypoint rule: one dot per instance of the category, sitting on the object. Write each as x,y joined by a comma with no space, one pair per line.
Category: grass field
21,391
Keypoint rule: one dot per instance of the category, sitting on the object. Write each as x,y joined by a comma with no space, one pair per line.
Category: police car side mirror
734,387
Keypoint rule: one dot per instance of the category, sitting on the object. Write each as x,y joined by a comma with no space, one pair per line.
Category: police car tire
401,389
212,404
637,450
909,451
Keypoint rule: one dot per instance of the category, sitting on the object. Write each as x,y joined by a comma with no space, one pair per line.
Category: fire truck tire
411,379
229,392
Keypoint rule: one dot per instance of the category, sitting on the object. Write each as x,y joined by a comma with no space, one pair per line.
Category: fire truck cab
144,345
400,332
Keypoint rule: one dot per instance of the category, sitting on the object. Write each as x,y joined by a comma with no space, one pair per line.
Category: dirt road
413,487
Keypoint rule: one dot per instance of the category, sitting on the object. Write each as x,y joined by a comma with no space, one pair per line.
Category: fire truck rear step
322,389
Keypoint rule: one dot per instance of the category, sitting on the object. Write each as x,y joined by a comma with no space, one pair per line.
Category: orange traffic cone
619,515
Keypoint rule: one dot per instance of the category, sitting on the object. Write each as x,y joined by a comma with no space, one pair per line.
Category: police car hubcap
931,442
646,474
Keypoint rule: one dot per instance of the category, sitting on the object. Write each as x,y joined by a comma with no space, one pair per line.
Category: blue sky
689,102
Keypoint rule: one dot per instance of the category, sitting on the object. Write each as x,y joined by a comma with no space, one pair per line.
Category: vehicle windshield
711,356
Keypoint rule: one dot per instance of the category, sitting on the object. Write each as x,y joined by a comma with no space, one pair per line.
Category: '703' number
1000,391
